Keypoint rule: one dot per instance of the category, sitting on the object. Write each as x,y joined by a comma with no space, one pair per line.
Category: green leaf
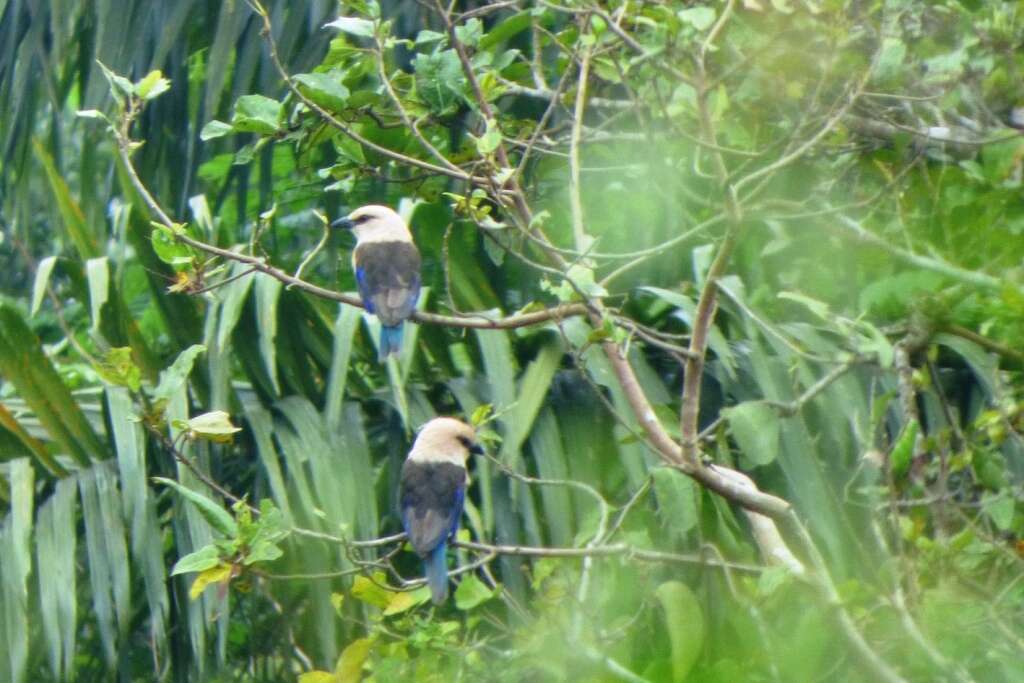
15,566
94,114
470,32
816,307
472,592
174,376
326,89
439,80
24,365
350,664
903,450
894,296
214,514
42,280
481,414
215,129
168,249
98,275
219,574
349,149
36,446
1000,508
490,140
755,427
215,426
945,67
772,579
152,85
583,278
56,546
263,551
344,332
876,343
406,600
361,28
543,569
428,37
120,87
205,558
546,438
318,677
234,296
108,557
261,426
677,500
513,25
700,17
990,470
118,368
268,293
890,60
684,623
256,114
983,364
72,217
372,591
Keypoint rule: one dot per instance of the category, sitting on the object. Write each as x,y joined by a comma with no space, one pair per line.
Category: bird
387,267
432,491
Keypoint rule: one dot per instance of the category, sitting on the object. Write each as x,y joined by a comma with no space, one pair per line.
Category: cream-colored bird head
375,223
445,439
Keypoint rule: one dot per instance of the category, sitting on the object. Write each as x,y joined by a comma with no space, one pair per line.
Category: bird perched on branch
432,492
387,266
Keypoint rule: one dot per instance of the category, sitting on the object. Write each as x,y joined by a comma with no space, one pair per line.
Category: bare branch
580,237
608,551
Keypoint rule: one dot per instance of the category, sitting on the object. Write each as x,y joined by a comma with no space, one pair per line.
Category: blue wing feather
364,289
460,500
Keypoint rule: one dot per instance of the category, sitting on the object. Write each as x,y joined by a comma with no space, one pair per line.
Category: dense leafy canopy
733,291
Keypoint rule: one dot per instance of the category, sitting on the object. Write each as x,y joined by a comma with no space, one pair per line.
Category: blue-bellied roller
387,267
432,492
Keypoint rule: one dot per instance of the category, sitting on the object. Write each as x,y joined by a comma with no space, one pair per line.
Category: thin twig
575,200
313,254
609,551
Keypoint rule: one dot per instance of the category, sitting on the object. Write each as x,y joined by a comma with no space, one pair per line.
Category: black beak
476,449
345,223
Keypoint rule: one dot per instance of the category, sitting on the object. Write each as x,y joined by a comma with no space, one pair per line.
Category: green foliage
872,216
218,518
756,429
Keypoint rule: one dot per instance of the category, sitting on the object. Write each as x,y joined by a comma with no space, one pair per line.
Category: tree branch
258,264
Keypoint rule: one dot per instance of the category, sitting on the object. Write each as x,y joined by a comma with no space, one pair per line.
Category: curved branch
472,322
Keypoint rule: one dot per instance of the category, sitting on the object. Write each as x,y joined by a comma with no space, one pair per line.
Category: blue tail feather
436,566
390,340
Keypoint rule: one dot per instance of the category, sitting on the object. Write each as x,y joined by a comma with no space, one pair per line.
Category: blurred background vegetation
855,162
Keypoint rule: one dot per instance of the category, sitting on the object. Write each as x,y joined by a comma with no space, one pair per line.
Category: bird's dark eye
471,445
359,220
